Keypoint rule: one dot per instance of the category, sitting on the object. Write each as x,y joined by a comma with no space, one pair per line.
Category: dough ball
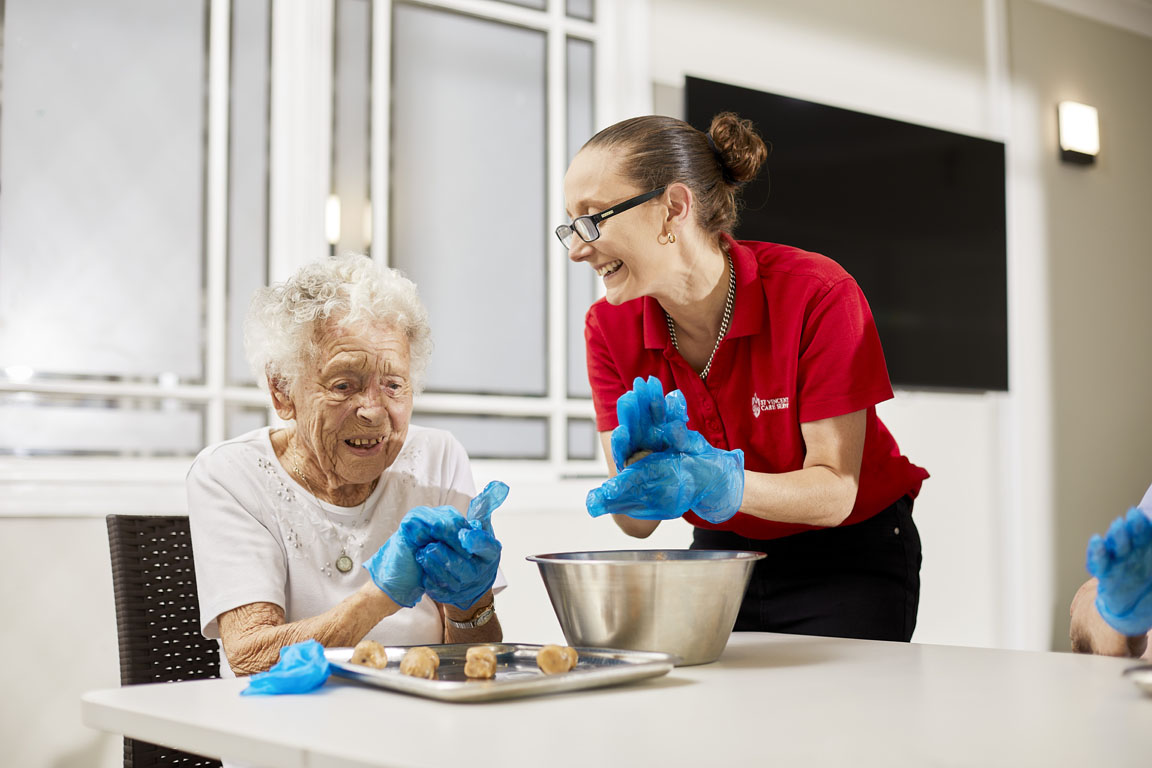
556,659
420,662
480,662
370,654
636,457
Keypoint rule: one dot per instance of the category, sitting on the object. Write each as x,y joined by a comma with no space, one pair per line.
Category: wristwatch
479,620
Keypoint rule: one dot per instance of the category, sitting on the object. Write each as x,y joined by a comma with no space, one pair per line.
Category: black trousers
859,580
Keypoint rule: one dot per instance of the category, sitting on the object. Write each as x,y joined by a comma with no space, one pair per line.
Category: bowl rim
735,555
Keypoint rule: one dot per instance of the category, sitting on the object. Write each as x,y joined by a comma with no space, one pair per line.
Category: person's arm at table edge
1089,632
489,632
253,634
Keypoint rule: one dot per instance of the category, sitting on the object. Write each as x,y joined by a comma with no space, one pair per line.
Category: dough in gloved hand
636,457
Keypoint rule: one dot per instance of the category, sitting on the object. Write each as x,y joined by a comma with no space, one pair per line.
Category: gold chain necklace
344,561
728,302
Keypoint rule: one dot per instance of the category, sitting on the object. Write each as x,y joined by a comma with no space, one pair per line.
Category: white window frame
299,167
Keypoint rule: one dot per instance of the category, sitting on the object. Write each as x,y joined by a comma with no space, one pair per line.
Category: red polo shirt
802,346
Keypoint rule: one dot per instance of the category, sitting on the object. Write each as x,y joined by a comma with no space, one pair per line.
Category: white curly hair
282,321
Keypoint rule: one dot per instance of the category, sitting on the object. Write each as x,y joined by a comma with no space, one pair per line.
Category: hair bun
739,146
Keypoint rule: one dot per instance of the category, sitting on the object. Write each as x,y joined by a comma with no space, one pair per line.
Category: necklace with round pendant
344,562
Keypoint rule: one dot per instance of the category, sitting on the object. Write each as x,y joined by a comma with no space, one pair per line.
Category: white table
778,700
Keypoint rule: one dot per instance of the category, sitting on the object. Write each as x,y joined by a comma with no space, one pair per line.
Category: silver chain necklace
723,324
344,561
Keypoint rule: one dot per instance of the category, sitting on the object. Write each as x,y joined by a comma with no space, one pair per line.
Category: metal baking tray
1142,676
516,672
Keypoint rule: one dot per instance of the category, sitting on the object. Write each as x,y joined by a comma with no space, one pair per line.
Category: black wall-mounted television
915,214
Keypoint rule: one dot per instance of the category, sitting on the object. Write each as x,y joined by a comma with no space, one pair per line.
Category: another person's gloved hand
394,568
302,668
644,415
689,474
1122,562
459,570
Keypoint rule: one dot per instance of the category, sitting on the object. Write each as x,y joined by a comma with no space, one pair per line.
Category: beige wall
58,641
1098,234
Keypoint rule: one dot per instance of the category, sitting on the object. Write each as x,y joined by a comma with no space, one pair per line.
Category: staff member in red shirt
778,368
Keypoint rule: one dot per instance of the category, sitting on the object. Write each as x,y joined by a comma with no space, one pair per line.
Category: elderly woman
283,519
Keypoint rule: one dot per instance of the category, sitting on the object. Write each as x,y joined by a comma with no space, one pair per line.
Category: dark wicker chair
158,618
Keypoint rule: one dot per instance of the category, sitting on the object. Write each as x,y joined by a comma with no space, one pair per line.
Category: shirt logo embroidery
770,404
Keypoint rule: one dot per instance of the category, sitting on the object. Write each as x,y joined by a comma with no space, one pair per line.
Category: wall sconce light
1079,133
332,220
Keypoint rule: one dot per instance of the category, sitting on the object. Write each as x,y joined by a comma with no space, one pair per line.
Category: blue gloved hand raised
1122,562
394,568
302,668
687,474
459,570
644,416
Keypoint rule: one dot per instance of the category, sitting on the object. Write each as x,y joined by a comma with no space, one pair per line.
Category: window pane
493,437
38,425
245,418
248,172
468,195
351,124
582,439
582,288
102,177
580,9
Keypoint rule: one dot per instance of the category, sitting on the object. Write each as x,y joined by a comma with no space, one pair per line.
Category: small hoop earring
665,241
671,237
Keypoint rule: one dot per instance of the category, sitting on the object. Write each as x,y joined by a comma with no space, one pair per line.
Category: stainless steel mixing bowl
677,601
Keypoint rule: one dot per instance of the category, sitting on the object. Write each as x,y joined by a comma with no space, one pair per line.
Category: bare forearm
489,632
254,634
1091,634
814,496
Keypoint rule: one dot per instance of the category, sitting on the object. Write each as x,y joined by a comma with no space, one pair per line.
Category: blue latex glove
688,475
302,668
644,415
460,570
1122,561
394,568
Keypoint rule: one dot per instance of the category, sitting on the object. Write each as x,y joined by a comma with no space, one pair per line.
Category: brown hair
658,151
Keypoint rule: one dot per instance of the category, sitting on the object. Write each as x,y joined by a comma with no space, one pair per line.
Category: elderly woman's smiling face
352,408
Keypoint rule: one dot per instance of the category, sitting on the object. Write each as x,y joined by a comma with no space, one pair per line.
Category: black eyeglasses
587,226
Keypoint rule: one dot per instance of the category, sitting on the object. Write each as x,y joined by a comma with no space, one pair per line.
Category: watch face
343,563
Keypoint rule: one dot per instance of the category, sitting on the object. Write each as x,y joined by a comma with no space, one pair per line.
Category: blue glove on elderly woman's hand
1122,562
683,472
459,570
439,551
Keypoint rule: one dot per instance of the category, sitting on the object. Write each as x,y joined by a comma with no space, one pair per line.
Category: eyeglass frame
595,218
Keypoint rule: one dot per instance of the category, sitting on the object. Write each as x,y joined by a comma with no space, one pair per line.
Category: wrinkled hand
395,569
686,474
1122,562
645,415
302,668
458,570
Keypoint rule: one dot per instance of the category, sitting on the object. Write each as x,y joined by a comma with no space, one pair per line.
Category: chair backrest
158,617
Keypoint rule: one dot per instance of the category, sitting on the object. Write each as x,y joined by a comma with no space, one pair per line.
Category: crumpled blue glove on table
302,668
1122,562
684,472
459,570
